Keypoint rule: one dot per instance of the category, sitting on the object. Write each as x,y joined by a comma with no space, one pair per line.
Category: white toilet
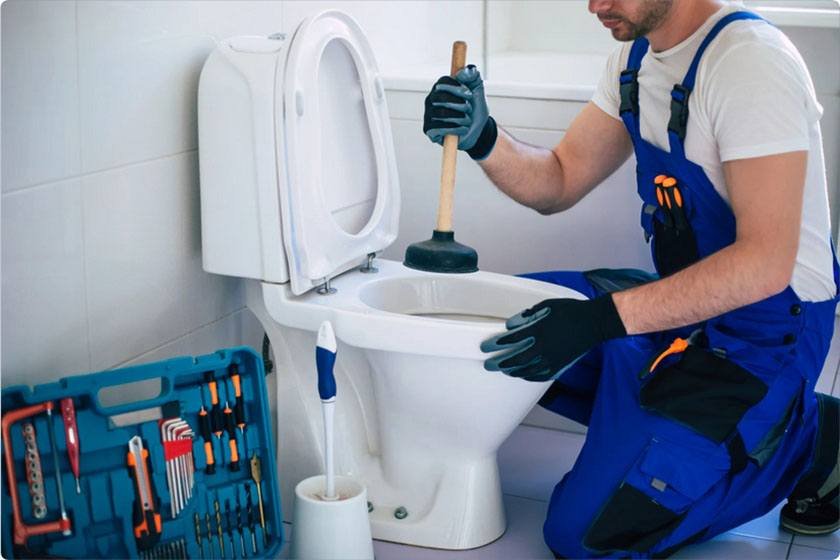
299,191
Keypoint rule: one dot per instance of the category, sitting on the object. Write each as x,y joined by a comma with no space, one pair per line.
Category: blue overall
686,447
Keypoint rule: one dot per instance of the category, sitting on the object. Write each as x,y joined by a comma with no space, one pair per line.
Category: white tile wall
43,289
535,25
100,214
40,93
142,237
407,33
508,237
139,64
101,259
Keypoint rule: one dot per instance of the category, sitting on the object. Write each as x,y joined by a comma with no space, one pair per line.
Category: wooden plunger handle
450,152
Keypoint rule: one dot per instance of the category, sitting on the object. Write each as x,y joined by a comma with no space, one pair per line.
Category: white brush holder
331,529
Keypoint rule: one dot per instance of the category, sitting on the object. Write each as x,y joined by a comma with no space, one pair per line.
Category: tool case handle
92,384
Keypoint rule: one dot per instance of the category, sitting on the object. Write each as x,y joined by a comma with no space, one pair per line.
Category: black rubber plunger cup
442,253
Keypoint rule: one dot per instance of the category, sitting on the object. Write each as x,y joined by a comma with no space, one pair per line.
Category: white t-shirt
753,97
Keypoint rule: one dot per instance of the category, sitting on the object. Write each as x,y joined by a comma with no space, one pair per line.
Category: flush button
795,309
789,339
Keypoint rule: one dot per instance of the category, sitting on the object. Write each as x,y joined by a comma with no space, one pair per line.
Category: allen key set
145,485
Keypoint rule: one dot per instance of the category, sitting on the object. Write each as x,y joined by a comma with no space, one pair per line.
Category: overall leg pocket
704,392
654,497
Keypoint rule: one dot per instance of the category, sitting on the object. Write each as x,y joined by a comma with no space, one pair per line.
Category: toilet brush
331,519
325,360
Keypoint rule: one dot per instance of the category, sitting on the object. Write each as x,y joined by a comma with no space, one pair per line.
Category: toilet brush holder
336,529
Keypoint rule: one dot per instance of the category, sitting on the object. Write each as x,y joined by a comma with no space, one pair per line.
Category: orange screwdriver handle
239,406
21,530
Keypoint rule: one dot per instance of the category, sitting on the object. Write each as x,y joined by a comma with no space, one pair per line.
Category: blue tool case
184,471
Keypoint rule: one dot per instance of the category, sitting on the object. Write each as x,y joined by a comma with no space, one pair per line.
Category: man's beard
652,18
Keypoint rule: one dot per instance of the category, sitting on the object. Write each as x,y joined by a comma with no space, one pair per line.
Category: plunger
442,253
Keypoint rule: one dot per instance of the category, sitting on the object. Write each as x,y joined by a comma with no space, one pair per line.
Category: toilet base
467,512
452,499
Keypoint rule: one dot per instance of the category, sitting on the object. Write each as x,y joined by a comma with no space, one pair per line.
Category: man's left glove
544,340
458,106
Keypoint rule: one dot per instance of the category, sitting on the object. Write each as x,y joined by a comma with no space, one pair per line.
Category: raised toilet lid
339,192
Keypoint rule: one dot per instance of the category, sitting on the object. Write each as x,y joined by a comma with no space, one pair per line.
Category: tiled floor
533,459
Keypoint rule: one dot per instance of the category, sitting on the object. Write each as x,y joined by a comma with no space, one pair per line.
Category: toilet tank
241,231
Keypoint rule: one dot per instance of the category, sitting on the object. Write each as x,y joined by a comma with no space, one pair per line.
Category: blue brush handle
326,380
325,353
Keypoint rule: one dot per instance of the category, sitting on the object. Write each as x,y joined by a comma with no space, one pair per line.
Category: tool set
146,486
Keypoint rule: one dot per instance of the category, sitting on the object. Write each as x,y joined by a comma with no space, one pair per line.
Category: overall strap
629,88
681,92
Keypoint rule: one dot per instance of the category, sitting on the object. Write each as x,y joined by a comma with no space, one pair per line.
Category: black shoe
811,516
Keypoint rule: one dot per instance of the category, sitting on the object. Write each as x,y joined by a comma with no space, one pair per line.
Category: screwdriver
71,436
231,430
239,407
215,411
256,474
204,427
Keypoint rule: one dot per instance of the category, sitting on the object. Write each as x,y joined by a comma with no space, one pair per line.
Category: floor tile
808,553
523,538
765,527
828,542
728,546
533,460
828,377
286,550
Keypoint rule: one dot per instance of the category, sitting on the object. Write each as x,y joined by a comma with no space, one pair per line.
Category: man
697,384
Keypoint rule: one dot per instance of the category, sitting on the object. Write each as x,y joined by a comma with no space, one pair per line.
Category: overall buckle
629,90
679,110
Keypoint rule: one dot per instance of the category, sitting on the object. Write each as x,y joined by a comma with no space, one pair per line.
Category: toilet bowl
301,215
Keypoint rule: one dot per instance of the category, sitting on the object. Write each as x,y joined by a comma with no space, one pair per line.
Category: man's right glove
543,341
458,106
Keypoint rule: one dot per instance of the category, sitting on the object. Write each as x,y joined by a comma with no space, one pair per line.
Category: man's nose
596,6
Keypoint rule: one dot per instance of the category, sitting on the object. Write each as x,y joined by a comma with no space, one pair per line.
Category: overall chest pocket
674,248
703,391
655,496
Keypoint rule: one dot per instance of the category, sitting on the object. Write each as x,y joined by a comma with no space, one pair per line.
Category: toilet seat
335,208
368,310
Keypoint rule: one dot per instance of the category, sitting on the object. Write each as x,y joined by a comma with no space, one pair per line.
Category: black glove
458,106
544,340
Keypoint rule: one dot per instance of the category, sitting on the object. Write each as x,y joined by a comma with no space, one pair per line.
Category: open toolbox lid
104,517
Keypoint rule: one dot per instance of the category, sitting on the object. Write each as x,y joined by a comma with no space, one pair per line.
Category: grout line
525,497
96,172
177,338
517,127
738,533
82,189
